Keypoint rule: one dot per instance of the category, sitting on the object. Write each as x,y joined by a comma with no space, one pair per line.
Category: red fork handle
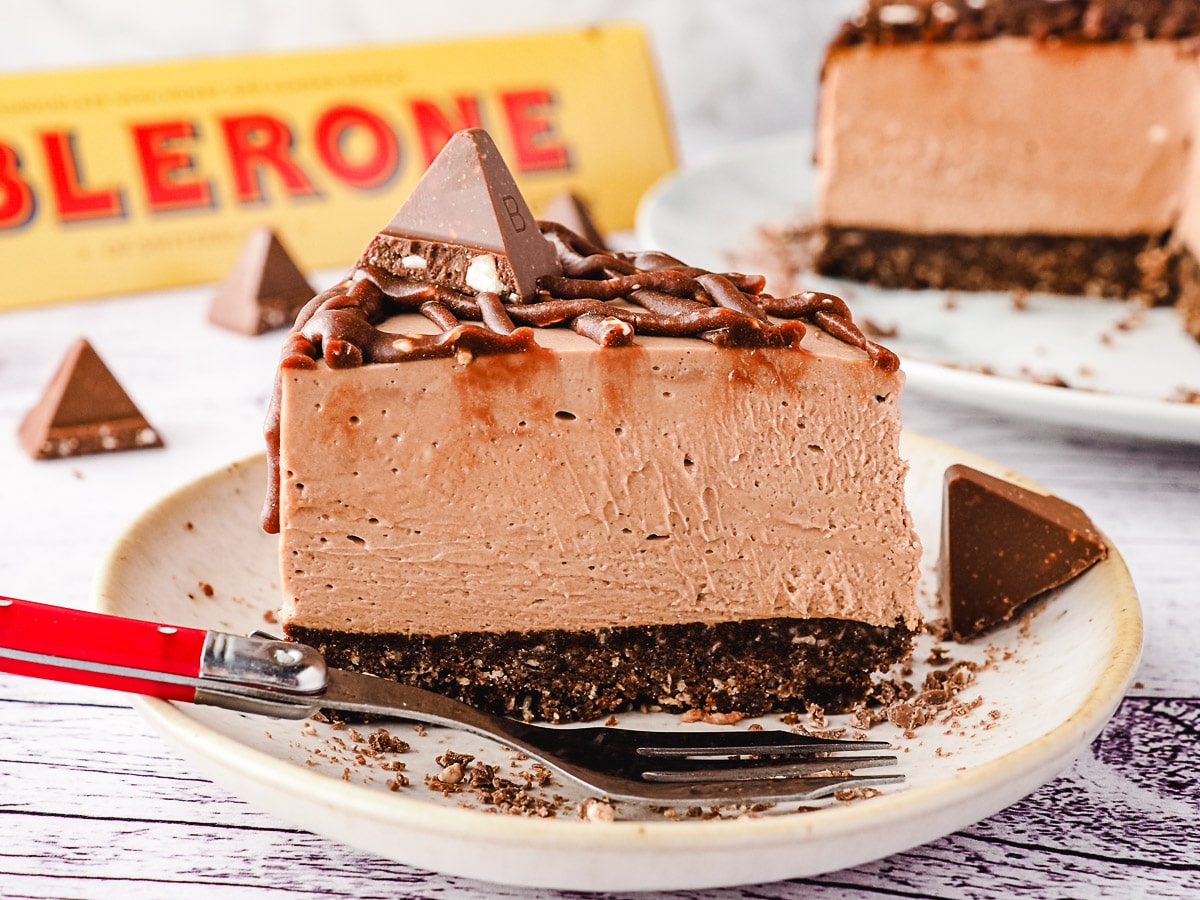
146,655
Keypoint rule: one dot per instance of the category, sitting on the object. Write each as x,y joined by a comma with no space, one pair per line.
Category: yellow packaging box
133,178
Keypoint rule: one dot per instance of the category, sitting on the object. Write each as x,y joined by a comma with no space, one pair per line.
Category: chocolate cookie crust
1136,266
752,667
891,22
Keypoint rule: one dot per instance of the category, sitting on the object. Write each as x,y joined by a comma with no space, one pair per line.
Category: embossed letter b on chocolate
466,225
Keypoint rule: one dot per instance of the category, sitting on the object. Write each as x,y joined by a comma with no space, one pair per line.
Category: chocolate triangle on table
84,410
1003,545
569,209
465,225
264,290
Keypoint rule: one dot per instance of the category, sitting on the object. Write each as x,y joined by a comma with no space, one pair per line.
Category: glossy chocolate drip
608,297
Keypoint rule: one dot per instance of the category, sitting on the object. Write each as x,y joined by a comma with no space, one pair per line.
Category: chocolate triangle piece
264,290
466,226
568,209
84,410
1003,545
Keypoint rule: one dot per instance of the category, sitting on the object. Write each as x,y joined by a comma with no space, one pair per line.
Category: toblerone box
133,178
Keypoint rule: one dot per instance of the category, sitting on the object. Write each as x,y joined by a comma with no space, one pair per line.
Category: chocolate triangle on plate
1003,545
466,226
84,410
568,209
264,290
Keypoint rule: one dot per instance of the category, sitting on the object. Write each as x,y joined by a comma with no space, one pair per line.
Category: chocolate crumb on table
1185,395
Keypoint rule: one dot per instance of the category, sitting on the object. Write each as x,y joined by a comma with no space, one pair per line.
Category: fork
262,675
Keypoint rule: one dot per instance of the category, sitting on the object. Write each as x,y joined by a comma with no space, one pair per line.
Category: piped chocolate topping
608,297
1003,545
888,22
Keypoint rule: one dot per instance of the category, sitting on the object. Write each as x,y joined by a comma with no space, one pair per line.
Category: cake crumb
594,809
206,589
382,741
724,718
463,773
938,656
859,793
816,715
270,617
939,628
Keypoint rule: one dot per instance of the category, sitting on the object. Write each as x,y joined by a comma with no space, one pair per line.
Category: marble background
730,71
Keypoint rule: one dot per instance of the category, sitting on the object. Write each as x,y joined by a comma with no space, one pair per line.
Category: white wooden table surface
93,804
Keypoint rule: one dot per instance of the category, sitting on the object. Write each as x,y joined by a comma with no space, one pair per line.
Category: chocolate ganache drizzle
607,297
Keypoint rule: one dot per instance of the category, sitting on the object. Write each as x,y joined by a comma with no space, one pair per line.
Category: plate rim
1037,759
1158,419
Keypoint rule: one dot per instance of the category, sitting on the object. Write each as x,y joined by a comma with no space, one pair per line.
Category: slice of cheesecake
640,483
1013,144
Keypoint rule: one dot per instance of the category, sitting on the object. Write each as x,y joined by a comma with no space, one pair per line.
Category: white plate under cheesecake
1127,369
1055,679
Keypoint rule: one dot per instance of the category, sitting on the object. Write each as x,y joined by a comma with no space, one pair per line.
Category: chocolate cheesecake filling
752,666
660,296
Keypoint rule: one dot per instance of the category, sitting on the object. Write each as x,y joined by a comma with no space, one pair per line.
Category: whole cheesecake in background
1041,145
556,482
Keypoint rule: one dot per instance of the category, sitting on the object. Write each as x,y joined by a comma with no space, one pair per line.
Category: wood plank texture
82,818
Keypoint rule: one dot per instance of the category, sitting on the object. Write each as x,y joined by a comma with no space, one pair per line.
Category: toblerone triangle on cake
84,410
264,290
590,482
466,202
568,208
1003,545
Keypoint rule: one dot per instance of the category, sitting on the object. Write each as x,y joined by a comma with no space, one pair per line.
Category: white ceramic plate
1121,378
1053,686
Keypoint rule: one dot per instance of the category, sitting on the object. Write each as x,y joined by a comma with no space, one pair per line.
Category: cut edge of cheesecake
448,405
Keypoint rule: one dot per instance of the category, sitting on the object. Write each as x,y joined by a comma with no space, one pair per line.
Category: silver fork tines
661,768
